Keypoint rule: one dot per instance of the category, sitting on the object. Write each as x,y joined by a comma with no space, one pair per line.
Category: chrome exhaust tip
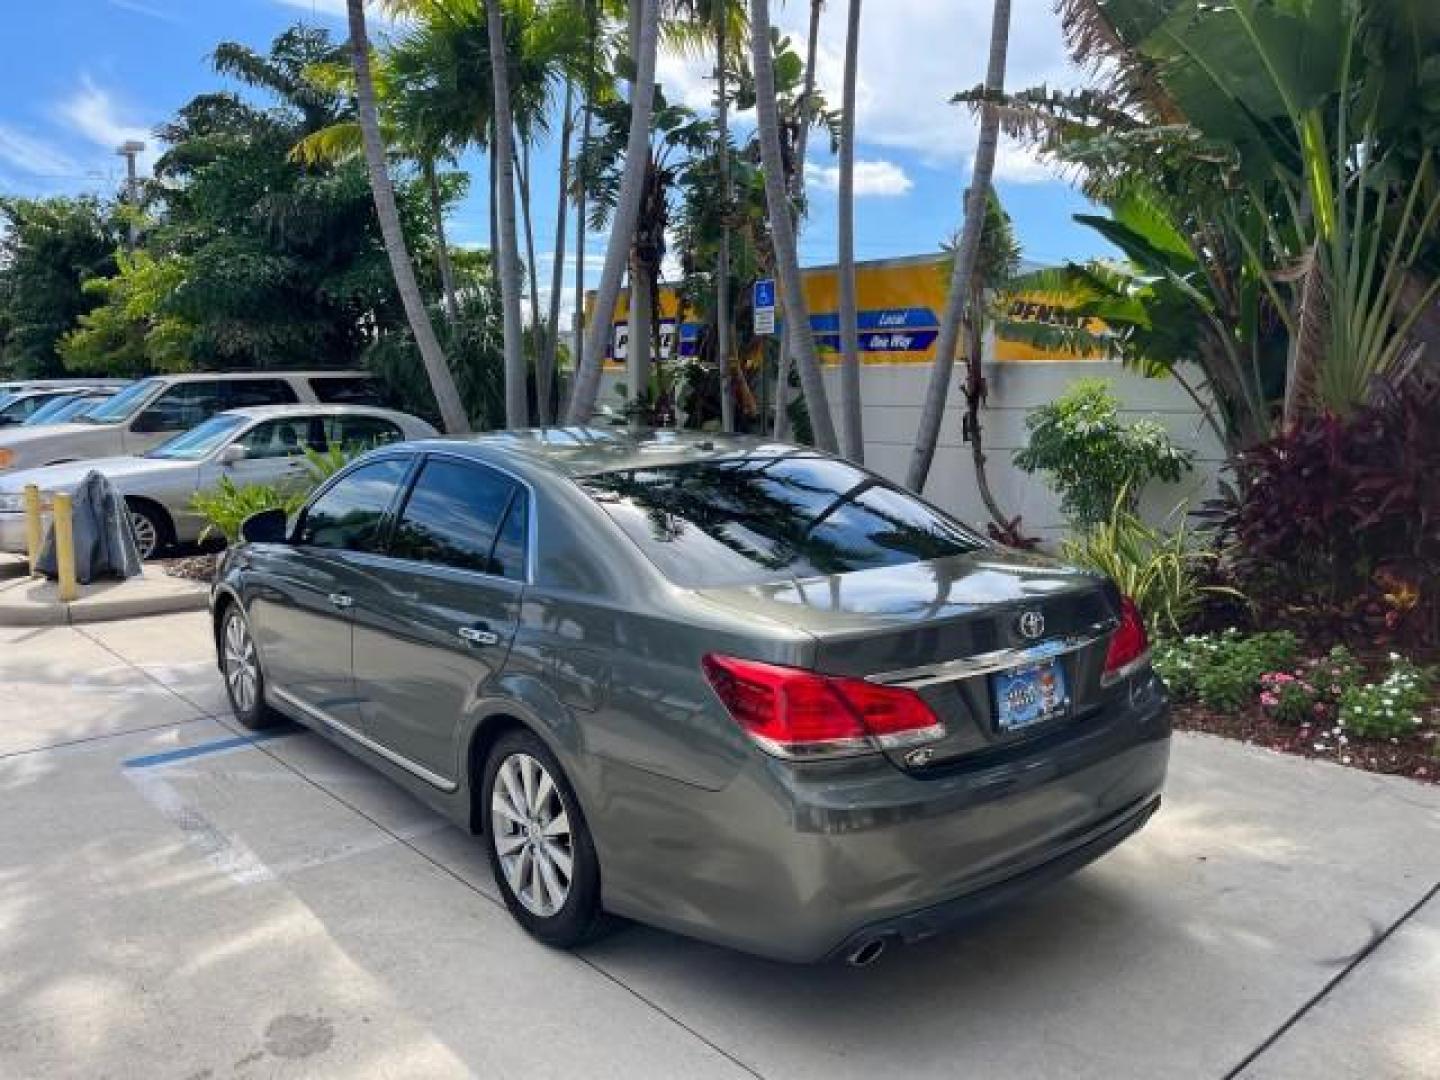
866,952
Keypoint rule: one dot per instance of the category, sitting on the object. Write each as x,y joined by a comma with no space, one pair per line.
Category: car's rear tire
240,665
152,531
539,845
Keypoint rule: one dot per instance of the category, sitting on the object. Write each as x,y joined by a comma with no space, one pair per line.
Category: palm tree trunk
637,360
578,324
851,411
494,210
965,255
807,101
722,259
442,246
782,228
545,371
795,183
537,328
447,398
975,390
627,210
517,410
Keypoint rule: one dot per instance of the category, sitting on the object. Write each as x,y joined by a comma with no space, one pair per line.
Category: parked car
18,407
67,407
740,690
148,412
260,445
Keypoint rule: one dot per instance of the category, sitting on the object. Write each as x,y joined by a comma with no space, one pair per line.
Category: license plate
1030,695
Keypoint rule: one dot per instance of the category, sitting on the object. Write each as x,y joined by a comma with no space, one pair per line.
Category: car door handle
477,636
340,600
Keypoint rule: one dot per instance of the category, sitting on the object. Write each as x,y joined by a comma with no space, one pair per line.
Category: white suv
152,410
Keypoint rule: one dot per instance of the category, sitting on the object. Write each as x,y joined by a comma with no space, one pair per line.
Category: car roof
210,376
580,451
314,408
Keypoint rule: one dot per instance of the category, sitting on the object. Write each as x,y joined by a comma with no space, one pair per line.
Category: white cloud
136,7
872,178
916,54
92,113
1020,165
34,156
335,9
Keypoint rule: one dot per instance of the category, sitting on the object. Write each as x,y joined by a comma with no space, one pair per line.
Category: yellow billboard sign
899,301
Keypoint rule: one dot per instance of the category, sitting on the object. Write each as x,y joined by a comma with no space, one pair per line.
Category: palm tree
517,409
782,220
646,19
966,254
796,183
851,411
447,397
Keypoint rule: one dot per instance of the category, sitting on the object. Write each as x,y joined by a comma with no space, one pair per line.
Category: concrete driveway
178,902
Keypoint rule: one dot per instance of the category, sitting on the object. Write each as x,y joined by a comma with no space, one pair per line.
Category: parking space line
101,737
214,747
232,854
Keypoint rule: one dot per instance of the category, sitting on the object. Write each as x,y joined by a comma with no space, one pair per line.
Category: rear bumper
800,863
916,926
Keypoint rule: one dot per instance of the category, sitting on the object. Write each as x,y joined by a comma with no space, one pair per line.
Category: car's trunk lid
946,628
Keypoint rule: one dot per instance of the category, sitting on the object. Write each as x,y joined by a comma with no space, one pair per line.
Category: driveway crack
1320,995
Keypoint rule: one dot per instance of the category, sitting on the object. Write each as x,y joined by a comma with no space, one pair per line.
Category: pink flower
1269,700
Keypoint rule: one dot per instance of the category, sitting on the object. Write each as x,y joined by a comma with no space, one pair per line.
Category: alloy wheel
147,537
531,832
242,673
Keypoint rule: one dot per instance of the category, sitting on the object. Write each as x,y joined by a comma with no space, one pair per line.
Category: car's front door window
180,408
350,515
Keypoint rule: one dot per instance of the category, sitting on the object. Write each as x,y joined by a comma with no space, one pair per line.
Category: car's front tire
240,664
539,844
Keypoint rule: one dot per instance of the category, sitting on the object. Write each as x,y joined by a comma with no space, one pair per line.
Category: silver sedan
261,445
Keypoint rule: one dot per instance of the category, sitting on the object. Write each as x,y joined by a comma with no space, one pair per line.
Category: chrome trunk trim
985,663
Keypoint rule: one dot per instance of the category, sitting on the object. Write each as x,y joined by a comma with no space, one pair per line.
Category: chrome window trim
319,715
986,663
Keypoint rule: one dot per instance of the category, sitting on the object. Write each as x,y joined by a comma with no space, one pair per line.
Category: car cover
104,538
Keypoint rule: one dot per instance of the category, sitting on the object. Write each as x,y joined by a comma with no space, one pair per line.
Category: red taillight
795,713
1129,646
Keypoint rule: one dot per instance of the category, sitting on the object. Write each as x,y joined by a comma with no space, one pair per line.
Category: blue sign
882,319
765,293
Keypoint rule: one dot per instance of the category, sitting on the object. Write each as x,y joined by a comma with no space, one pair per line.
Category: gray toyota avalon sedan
737,689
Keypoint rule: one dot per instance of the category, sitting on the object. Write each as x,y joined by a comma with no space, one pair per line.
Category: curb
31,602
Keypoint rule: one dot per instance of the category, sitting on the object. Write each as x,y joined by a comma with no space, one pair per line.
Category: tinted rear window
743,521
346,390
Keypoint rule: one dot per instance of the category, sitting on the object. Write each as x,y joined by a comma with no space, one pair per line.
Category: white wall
892,396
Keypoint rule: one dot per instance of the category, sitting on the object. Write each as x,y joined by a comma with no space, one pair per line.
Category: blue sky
77,77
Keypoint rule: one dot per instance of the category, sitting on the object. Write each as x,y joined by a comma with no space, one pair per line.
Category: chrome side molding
322,717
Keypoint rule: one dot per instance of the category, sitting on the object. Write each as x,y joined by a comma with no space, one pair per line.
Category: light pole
128,150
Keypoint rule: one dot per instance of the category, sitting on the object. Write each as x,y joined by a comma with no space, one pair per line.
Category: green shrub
1093,459
1155,567
1223,671
1390,708
227,507
1313,691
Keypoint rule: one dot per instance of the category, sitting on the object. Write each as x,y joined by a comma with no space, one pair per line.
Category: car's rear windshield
751,520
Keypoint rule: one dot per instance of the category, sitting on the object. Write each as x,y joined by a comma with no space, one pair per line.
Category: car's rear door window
346,390
749,520
244,393
350,515
454,516
355,434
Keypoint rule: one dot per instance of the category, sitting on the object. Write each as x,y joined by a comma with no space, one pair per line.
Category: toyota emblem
1031,624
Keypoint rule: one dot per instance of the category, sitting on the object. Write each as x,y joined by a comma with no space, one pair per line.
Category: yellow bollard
65,548
34,527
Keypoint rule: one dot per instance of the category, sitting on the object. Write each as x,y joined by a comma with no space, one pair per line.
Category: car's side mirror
232,454
266,527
